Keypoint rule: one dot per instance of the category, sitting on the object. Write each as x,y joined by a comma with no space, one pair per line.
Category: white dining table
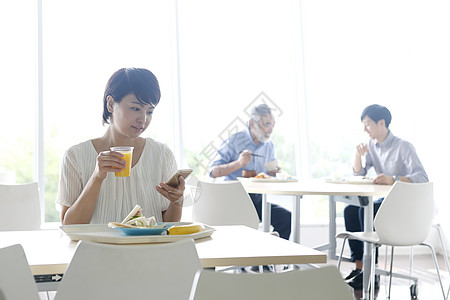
50,251
336,191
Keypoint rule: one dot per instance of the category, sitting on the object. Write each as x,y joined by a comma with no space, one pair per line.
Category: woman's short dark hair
140,82
376,113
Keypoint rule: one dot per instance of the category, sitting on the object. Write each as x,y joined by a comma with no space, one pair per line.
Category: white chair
223,203
404,218
296,284
19,207
118,272
8,177
16,280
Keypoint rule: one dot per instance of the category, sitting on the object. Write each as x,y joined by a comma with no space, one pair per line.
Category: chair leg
411,258
342,253
443,246
385,256
444,250
390,272
372,273
437,267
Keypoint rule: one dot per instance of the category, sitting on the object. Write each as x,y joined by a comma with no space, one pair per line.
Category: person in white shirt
393,159
89,191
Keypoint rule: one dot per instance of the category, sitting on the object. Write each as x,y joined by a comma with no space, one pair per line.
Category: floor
423,269
47,296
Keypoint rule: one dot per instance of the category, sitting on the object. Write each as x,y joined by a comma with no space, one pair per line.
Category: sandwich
135,213
136,219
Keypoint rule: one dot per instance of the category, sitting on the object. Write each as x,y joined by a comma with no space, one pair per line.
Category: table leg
332,228
296,219
265,213
367,258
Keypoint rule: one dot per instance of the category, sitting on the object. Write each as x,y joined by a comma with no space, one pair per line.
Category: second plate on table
272,179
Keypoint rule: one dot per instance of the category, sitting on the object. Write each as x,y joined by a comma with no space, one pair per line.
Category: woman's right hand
109,161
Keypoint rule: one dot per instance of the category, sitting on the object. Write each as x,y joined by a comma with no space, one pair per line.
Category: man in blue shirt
250,150
393,159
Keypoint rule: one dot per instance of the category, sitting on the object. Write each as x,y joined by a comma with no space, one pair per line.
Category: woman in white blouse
88,190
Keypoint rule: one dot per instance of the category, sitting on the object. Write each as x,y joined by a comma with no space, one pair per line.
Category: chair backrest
315,284
224,203
118,272
16,280
7,177
406,214
19,207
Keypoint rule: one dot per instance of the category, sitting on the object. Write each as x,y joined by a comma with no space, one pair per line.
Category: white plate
101,233
272,179
352,180
143,230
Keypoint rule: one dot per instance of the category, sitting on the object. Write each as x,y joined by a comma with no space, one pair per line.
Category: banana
186,229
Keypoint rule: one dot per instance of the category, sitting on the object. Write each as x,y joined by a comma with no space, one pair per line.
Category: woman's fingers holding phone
171,193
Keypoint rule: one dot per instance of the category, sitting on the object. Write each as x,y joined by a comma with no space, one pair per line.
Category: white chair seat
315,284
118,272
7,177
20,200
404,218
16,280
223,203
369,237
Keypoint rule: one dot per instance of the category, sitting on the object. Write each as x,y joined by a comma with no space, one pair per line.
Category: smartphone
173,181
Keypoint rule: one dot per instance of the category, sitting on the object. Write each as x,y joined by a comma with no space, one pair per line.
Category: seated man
236,155
393,159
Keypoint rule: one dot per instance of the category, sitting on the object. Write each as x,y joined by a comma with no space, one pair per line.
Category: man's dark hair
376,113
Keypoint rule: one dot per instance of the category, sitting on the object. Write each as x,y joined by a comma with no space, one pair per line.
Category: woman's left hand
172,194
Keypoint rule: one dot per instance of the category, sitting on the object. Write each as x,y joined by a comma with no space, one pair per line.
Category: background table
336,192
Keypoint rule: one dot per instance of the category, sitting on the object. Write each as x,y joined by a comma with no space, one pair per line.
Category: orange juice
127,156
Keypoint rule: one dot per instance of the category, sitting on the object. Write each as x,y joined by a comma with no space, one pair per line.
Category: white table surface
50,251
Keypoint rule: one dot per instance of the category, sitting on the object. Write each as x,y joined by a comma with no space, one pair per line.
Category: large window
18,73
394,53
233,55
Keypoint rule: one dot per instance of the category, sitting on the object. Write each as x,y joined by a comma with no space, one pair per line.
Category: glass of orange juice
127,156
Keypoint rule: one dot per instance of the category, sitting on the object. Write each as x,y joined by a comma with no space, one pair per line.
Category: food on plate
186,229
263,175
135,219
